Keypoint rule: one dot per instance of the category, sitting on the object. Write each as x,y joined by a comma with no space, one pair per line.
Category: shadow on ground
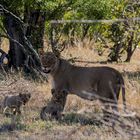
11,127
72,118
128,125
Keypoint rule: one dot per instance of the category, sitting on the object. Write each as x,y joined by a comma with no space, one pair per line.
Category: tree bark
36,26
85,29
16,54
23,40
0,42
114,54
129,48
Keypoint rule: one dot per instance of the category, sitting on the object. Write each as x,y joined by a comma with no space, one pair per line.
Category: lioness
15,102
103,83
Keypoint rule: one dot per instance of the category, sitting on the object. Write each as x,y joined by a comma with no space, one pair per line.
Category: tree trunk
0,42
21,52
36,26
85,29
16,54
19,56
114,54
129,49
129,54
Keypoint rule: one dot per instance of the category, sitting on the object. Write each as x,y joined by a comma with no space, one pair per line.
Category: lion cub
15,102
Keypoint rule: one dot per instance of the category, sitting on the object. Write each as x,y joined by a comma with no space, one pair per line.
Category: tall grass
82,117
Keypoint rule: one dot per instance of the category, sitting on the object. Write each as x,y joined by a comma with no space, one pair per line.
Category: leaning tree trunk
16,54
24,40
21,52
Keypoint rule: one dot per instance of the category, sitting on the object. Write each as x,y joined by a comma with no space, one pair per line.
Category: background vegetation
32,18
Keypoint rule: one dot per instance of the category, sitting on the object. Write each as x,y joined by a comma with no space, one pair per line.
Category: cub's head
49,61
24,97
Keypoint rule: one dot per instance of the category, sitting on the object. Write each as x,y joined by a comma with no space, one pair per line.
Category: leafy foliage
124,36
93,9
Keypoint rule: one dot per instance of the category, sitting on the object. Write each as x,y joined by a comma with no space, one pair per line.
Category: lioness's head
49,61
24,97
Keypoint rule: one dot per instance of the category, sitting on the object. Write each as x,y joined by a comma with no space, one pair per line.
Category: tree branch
8,12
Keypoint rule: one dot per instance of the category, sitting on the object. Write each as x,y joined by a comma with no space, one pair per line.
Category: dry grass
80,120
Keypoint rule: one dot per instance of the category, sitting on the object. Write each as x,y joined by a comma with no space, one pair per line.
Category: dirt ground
82,119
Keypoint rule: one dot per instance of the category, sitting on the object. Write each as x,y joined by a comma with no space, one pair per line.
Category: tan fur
103,83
